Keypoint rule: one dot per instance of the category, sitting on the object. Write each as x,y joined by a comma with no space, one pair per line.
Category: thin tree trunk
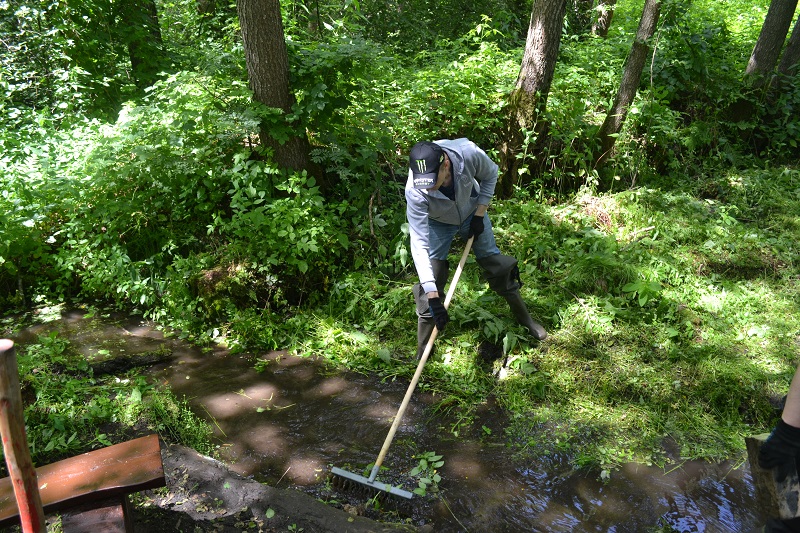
268,69
529,97
791,55
631,76
605,14
770,41
139,29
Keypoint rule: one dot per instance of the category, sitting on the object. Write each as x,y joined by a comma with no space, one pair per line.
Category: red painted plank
108,516
113,471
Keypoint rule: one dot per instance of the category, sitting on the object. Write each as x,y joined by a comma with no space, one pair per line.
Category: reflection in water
289,423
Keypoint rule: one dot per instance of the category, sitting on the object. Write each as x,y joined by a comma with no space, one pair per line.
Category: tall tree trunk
631,76
790,61
770,40
139,30
268,69
529,97
605,14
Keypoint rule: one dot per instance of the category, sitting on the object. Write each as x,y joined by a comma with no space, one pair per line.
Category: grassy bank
666,277
73,404
672,319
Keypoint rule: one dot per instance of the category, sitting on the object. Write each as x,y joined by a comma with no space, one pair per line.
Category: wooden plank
107,516
22,476
113,471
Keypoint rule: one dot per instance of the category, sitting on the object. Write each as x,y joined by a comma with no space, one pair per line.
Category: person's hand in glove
780,449
439,313
475,226
788,525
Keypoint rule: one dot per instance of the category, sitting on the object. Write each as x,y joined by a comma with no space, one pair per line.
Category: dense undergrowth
667,278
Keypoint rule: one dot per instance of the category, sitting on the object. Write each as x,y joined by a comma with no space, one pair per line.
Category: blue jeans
441,235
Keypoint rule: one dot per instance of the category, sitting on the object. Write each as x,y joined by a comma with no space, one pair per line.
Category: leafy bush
297,236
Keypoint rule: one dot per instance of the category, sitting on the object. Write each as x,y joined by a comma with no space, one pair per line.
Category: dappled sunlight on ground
329,387
304,470
288,423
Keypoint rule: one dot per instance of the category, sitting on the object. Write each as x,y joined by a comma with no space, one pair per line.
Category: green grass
672,320
670,297
68,410
671,312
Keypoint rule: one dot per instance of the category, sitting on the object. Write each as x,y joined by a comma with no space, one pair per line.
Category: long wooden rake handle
425,354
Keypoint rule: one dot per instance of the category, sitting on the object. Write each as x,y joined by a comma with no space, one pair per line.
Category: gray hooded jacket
475,178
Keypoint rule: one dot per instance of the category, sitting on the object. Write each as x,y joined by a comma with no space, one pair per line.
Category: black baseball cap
424,162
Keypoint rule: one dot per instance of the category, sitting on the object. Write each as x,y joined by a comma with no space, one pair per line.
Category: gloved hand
439,313
780,449
776,525
475,226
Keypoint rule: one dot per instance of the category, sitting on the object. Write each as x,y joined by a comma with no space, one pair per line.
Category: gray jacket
475,177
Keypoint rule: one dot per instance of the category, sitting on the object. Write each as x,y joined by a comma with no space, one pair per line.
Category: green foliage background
667,278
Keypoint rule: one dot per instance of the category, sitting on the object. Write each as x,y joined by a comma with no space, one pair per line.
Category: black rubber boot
425,322
424,329
502,273
520,311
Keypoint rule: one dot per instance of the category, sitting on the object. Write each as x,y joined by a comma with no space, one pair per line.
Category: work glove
439,313
780,449
776,525
475,226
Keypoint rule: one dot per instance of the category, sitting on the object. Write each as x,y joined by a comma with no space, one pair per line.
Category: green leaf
136,396
509,342
360,337
630,287
384,355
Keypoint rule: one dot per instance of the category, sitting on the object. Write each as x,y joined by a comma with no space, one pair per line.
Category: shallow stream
289,423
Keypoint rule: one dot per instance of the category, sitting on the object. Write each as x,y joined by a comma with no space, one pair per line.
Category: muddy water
287,424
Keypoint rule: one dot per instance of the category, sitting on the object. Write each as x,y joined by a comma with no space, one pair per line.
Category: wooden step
110,472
